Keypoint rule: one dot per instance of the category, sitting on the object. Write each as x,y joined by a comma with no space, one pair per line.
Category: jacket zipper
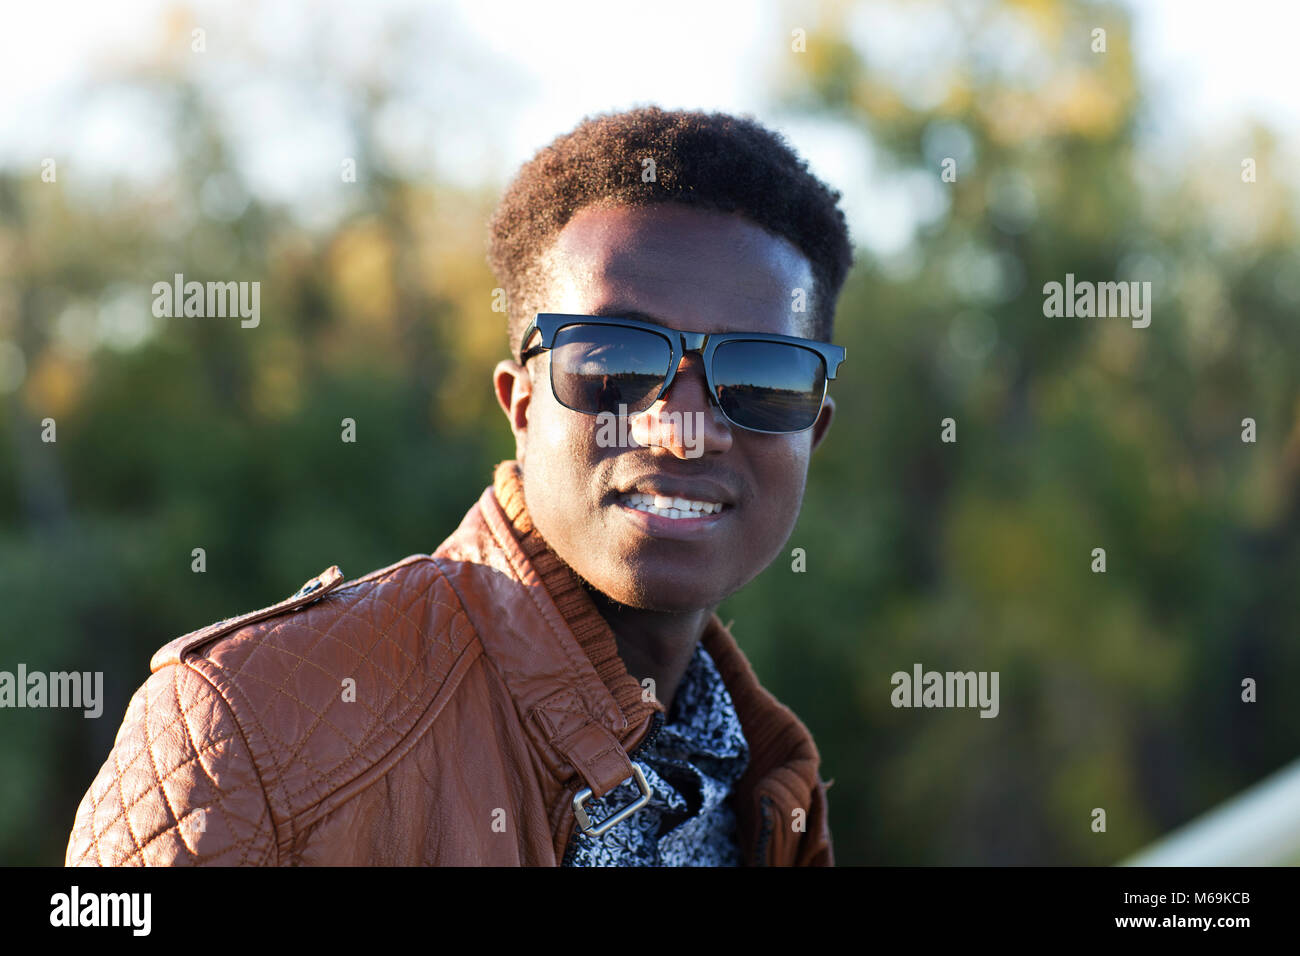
656,725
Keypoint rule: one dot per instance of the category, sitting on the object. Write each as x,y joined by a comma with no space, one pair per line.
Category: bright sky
489,82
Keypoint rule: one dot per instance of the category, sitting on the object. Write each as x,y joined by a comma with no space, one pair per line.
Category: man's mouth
670,507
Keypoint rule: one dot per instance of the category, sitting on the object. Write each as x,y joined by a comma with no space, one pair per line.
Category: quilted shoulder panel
178,788
248,726
326,692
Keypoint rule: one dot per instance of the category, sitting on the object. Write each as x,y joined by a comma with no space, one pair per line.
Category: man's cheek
565,432
551,453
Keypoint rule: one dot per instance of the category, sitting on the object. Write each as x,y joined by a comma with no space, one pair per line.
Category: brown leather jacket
444,710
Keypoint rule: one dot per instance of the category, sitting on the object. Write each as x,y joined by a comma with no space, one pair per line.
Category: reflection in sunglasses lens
770,386
597,368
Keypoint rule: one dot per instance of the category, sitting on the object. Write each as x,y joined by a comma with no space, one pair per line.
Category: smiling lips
675,508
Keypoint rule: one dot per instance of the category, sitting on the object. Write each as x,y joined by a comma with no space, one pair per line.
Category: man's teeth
671,507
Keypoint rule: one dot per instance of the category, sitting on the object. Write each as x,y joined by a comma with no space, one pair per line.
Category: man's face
689,269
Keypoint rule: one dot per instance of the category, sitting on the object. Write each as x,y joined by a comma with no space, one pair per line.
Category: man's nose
684,420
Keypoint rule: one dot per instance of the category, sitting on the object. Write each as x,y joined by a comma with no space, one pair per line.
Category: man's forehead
672,258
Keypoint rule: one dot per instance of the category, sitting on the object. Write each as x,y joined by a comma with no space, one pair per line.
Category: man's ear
514,391
823,423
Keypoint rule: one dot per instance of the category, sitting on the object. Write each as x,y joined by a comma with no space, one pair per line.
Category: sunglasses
762,382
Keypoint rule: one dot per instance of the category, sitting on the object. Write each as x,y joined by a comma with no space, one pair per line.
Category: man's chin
667,594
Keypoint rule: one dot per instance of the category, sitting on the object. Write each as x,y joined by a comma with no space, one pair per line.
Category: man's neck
655,644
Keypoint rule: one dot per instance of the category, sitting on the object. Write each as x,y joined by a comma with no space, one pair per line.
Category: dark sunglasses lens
770,386
597,368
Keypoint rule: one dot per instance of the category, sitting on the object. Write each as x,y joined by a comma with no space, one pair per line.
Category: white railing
1258,827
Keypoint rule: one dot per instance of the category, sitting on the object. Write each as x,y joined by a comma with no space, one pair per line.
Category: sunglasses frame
548,324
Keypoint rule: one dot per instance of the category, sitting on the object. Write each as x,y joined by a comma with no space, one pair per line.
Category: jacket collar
560,662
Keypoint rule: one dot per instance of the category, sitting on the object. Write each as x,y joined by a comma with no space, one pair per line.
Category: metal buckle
583,795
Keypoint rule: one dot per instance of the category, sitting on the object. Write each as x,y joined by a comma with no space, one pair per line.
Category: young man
551,685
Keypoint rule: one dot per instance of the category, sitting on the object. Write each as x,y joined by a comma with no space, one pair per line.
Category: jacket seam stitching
294,820
297,753
391,756
252,754
503,671
576,662
491,664
119,774
326,778
126,814
321,777
303,658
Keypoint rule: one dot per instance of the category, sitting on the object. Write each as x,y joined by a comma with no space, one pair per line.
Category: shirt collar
702,720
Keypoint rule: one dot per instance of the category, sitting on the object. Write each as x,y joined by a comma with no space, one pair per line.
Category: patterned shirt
691,768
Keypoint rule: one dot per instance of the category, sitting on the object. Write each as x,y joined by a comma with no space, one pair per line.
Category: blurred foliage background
1119,690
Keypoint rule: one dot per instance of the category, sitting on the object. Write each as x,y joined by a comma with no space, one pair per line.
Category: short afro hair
711,160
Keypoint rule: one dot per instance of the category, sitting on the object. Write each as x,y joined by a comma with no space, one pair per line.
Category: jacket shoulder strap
309,593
